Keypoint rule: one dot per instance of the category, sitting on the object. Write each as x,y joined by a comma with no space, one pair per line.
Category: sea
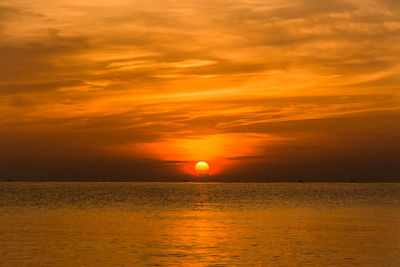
199,224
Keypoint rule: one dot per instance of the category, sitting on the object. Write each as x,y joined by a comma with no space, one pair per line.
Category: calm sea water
195,224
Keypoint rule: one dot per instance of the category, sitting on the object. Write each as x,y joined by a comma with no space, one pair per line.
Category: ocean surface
199,224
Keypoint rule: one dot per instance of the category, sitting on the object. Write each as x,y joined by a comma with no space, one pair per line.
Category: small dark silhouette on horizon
300,181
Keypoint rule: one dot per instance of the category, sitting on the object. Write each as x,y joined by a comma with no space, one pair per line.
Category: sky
262,90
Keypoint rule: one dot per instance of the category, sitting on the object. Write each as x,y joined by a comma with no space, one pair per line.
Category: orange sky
261,90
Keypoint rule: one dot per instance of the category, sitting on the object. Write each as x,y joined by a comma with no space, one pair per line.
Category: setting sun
202,167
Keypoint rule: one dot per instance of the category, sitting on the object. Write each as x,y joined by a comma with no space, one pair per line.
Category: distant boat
9,180
300,181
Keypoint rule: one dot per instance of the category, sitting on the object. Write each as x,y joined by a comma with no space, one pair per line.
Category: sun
202,167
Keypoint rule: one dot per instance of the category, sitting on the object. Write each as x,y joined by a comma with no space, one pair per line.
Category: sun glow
222,151
202,167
